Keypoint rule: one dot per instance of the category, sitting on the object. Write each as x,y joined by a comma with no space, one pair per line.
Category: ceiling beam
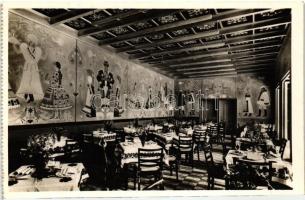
254,70
205,66
141,17
222,60
230,74
178,50
255,61
213,44
120,16
219,57
207,69
169,41
249,66
199,63
70,15
209,74
271,55
223,64
227,30
213,51
210,71
178,25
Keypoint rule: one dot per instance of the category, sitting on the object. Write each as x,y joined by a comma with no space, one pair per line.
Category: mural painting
43,89
55,78
253,96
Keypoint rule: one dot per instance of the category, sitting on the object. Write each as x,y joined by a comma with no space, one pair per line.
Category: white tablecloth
130,150
30,184
104,135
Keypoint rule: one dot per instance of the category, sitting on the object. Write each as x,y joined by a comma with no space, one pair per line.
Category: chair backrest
71,146
282,147
185,143
208,156
222,128
150,158
199,136
120,136
214,129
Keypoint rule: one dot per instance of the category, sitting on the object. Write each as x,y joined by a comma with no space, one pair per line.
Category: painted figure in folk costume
56,98
263,102
118,110
89,107
30,86
249,107
106,81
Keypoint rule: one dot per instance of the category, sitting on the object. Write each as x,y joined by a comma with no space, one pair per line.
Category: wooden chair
72,150
184,146
213,132
214,171
120,135
200,139
150,163
221,134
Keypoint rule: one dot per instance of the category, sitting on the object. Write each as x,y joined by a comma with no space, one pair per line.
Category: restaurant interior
149,99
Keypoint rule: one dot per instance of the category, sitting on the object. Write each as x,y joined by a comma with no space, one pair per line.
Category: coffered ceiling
184,43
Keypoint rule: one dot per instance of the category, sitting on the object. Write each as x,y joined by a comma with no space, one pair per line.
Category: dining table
264,141
258,156
103,136
154,128
66,177
130,151
57,149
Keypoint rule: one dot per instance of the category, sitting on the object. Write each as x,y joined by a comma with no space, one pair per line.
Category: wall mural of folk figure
253,96
101,85
148,93
55,78
40,73
110,87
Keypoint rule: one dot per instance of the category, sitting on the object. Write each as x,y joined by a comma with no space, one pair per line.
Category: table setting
57,177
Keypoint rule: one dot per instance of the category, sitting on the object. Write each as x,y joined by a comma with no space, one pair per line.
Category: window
283,109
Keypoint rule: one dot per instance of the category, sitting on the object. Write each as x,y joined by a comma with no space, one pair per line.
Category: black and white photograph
150,99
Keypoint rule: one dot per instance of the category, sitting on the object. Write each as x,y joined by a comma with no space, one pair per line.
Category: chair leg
192,159
198,152
139,183
213,183
209,182
171,169
177,169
